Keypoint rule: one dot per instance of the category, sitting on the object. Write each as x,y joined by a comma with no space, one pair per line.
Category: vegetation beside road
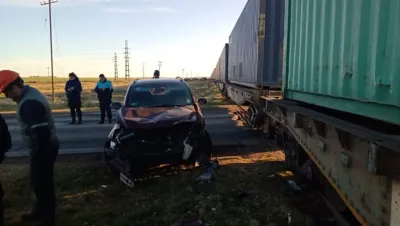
89,195
89,98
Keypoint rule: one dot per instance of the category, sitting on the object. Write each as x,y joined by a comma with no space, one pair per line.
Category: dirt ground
241,192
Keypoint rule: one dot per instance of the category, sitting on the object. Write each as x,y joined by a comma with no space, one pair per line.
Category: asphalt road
90,137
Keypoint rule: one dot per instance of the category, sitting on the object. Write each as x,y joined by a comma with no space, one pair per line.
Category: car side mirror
202,101
116,105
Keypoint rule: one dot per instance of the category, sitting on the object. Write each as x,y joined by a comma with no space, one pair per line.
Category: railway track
323,212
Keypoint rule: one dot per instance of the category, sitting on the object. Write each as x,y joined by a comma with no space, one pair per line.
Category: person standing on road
5,145
104,90
156,74
73,89
39,135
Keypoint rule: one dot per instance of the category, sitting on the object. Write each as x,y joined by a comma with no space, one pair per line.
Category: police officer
39,134
104,90
156,74
5,145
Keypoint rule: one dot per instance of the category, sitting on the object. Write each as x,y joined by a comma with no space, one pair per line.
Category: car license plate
126,180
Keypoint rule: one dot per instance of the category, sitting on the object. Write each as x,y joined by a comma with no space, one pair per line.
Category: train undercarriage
357,166
354,160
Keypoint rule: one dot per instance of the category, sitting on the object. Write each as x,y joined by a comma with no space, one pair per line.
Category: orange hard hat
6,78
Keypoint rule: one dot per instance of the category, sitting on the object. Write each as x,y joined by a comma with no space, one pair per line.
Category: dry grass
89,98
88,195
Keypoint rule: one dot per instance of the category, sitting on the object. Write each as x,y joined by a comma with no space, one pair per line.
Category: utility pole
49,2
159,66
48,72
127,75
115,66
190,73
143,69
183,72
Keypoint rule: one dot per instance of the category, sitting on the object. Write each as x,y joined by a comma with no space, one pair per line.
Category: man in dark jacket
39,135
104,90
73,89
5,145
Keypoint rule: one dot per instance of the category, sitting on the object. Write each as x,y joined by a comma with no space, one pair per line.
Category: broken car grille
157,140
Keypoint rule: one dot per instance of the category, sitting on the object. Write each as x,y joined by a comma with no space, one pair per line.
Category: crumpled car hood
156,116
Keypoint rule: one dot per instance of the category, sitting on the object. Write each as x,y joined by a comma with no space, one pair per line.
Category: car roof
156,81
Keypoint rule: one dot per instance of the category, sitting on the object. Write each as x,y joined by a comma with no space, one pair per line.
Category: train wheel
256,116
295,156
309,171
268,129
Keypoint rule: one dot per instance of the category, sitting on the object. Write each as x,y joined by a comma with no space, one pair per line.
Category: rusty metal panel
344,55
349,159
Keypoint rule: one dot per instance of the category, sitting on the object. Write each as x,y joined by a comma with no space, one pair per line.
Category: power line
41,50
57,49
127,75
159,66
51,47
115,66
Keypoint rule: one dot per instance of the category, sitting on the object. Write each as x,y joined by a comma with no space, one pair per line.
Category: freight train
322,77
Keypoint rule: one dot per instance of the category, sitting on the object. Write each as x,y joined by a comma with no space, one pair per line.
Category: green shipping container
344,55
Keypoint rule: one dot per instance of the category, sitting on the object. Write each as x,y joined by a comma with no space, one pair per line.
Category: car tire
203,153
107,158
105,147
205,144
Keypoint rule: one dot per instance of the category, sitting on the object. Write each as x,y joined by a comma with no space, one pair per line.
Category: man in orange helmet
39,135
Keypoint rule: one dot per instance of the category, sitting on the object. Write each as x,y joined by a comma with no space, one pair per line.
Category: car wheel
203,153
106,156
106,148
205,144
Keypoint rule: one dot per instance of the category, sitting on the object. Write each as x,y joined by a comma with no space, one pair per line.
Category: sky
185,34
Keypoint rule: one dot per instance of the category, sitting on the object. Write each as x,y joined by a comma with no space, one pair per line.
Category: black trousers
105,108
41,176
76,109
1,205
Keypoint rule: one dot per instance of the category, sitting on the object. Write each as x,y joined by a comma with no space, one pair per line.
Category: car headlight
111,135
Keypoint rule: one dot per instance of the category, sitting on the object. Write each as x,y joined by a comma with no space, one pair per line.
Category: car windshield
159,95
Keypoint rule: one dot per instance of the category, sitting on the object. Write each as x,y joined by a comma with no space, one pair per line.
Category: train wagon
221,69
222,65
339,119
255,56
334,104
255,45
214,75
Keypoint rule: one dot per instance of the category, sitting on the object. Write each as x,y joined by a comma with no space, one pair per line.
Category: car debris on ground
240,193
209,171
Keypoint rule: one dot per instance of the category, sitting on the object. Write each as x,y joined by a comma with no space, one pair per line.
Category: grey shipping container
255,45
222,66
214,74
